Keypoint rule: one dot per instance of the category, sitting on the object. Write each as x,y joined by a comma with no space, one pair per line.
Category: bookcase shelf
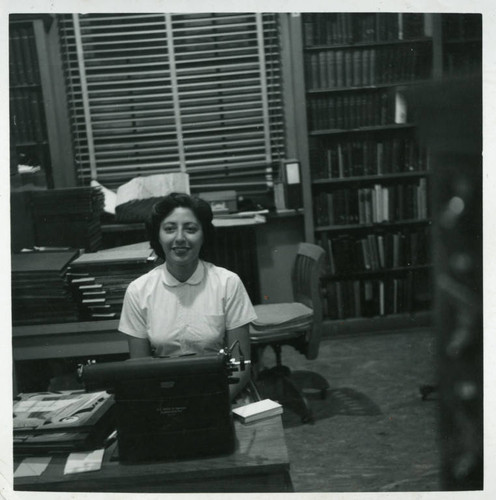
352,88
376,272
380,43
27,144
381,226
375,128
369,179
462,41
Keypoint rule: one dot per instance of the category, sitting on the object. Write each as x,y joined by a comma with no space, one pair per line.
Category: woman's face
181,238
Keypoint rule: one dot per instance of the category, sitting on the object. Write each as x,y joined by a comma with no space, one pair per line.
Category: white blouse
183,318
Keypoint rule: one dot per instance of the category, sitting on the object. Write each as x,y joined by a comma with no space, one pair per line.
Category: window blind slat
150,75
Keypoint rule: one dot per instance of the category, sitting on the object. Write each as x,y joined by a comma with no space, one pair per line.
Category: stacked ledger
40,293
99,280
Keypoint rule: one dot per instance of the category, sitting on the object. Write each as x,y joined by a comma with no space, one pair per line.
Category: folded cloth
284,315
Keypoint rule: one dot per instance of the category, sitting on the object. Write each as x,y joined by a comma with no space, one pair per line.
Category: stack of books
40,293
99,280
68,217
62,421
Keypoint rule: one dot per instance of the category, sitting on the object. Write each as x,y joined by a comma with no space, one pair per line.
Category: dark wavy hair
166,206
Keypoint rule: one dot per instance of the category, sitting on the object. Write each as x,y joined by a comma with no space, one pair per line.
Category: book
259,410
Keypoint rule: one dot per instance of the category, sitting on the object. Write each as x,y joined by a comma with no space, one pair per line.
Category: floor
373,432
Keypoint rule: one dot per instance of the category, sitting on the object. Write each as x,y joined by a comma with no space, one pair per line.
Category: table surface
259,463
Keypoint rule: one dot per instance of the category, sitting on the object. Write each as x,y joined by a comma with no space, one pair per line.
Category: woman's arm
138,348
242,335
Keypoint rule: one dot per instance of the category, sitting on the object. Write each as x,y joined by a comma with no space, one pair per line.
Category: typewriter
169,407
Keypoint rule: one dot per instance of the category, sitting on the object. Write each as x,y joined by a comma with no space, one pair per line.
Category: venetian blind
156,93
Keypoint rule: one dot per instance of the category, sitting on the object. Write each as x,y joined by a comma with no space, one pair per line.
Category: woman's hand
242,335
138,348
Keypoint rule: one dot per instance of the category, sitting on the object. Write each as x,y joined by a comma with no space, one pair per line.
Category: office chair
297,324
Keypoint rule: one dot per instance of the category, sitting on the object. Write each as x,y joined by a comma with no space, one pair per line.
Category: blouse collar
194,279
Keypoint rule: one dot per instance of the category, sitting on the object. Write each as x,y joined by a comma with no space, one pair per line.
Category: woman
186,305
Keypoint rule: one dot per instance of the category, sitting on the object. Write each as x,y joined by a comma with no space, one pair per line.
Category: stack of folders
260,410
61,421
39,289
99,279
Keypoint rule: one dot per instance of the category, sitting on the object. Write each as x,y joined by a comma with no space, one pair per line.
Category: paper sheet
32,466
84,461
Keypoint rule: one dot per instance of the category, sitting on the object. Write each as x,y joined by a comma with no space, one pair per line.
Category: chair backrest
307,270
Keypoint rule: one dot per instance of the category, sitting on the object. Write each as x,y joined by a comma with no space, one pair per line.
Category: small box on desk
168,408
221,201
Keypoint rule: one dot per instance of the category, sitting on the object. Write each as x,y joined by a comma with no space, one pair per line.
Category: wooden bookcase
367,201
27,113
39,122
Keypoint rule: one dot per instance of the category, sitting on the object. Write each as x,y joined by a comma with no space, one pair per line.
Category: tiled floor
373,432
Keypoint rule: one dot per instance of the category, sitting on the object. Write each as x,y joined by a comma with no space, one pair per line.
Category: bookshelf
368,174
39,122
28,121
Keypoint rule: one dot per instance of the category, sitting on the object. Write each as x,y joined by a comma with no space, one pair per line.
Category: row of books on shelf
396,250
376,297
348,111
372,205
326,28
23,58
360,67
351,158
26,108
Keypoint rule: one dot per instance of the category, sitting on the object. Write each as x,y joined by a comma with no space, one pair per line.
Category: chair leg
283,370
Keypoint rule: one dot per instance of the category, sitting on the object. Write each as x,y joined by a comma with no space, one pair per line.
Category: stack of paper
259,410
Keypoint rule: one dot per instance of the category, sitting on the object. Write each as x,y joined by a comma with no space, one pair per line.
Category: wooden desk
259,464
65,340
